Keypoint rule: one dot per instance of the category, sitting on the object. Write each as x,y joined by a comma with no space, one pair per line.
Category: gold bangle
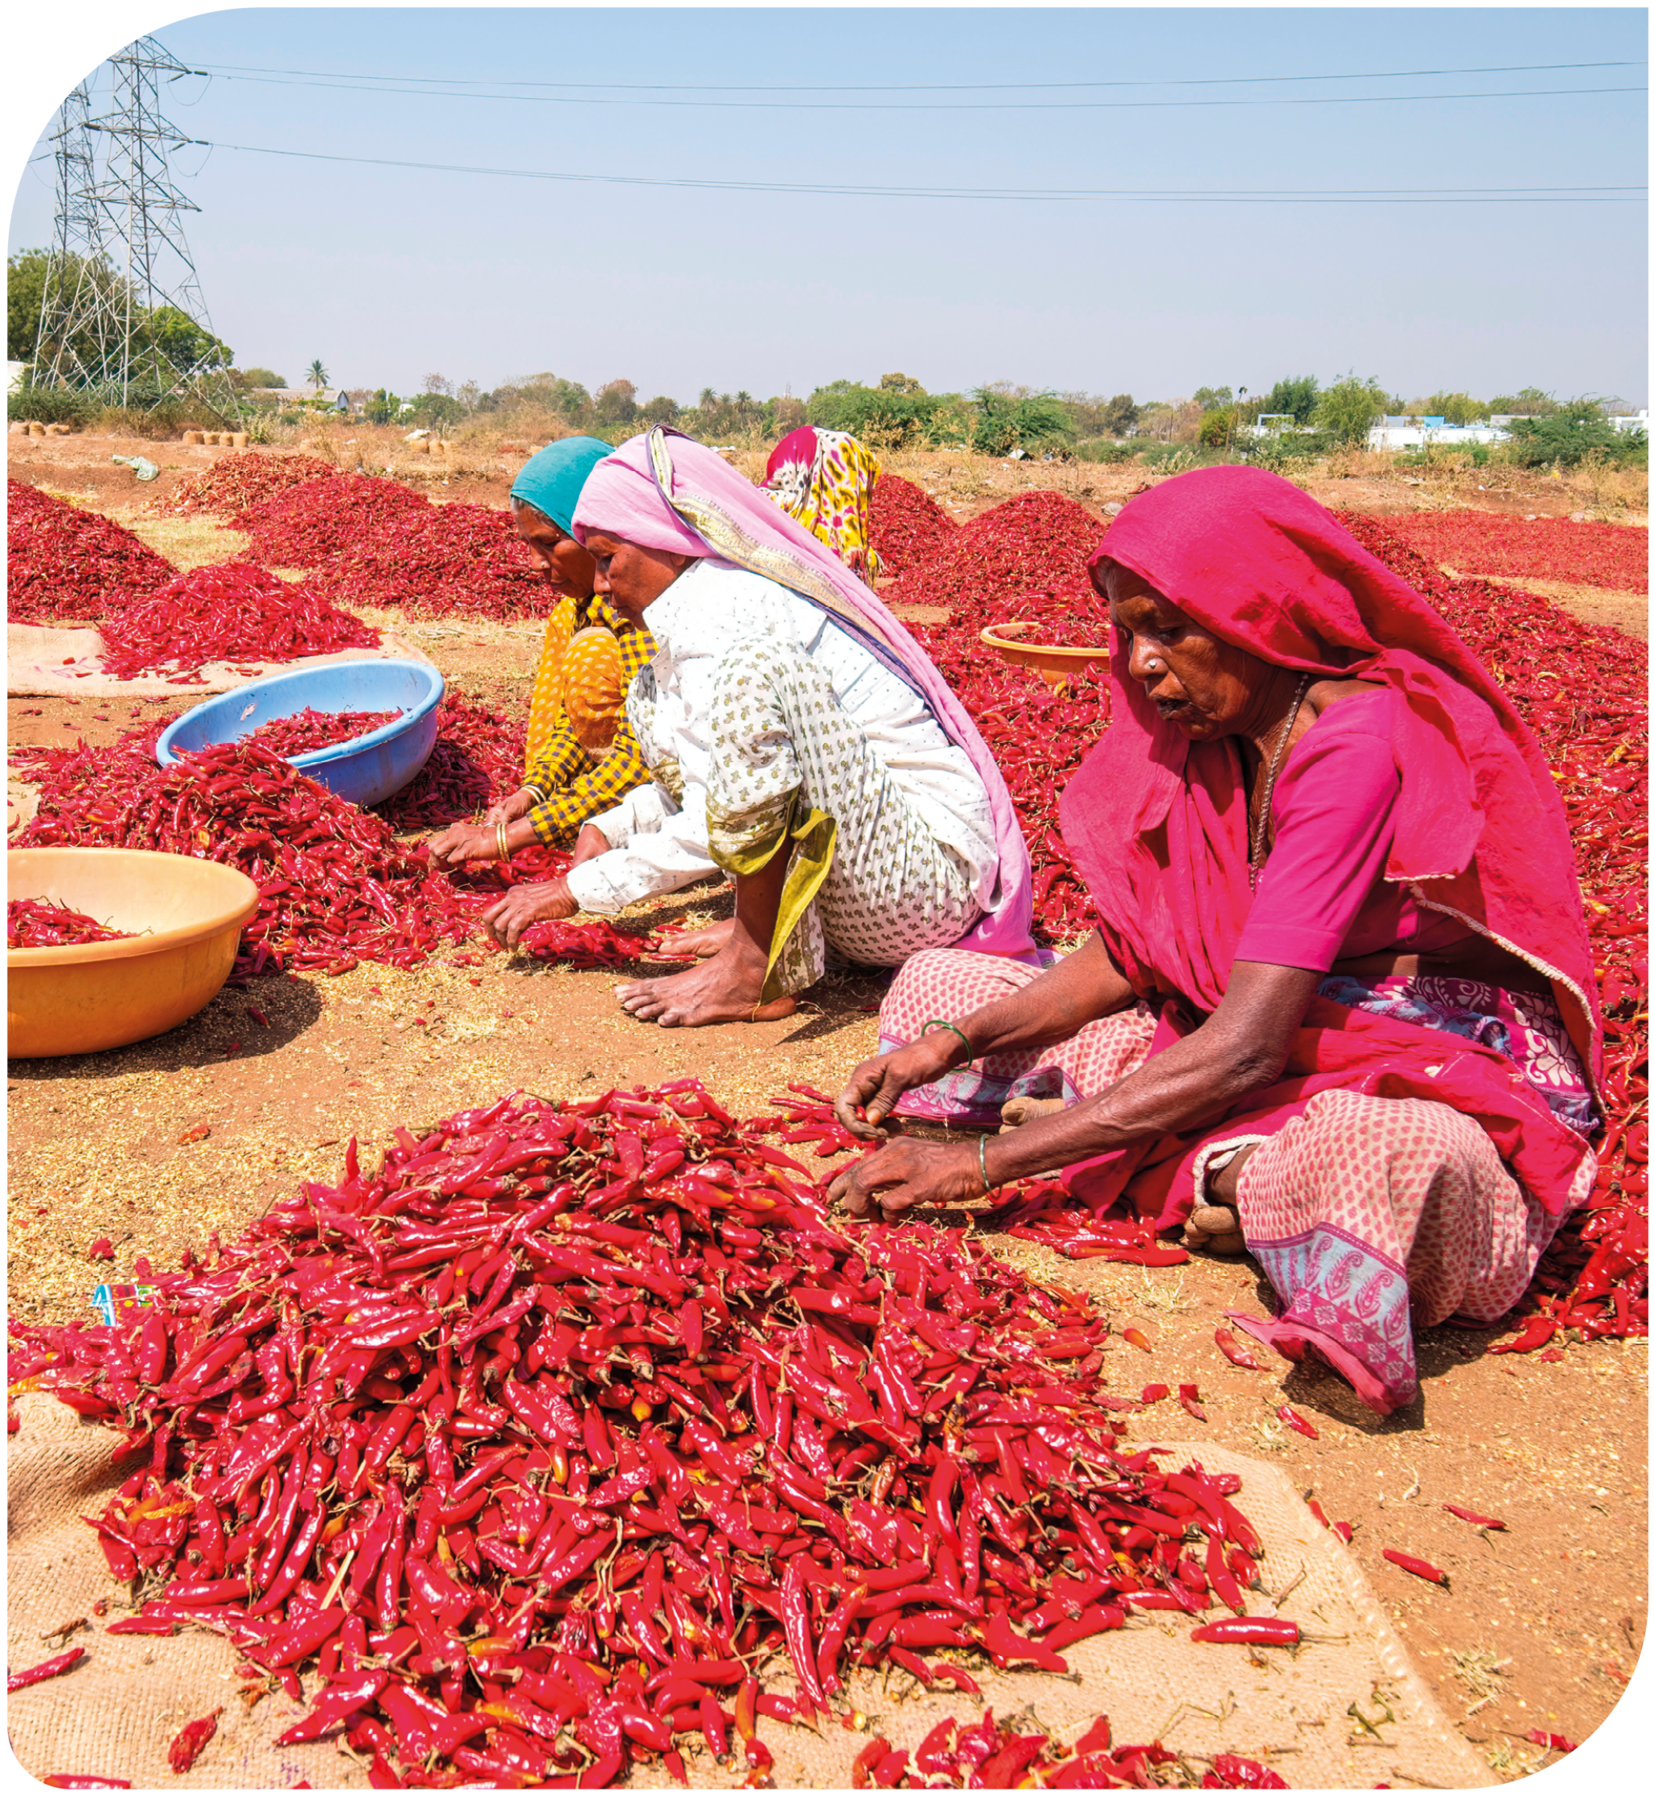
499,841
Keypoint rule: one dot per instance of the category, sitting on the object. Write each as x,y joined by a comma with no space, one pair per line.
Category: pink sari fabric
1157,827
1375,1218
667,492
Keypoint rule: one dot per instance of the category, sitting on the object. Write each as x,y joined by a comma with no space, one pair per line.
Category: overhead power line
916,87
932,106
1590,192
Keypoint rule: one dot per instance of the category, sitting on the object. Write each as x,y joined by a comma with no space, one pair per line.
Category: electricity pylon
122,314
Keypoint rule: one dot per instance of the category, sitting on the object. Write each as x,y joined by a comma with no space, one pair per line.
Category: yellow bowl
78,997
1056,662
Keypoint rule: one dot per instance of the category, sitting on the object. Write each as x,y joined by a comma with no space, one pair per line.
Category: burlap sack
45,659
117,1712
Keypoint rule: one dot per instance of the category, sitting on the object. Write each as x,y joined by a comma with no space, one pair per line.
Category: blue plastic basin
365,770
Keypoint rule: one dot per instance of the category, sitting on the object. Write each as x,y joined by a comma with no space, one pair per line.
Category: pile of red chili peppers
301,732
478,756
66,563
230,612
546,1434
369,541
39,925
240,482
456,560
993,1755
334,884
1036,540
1480,543
301,526
906,526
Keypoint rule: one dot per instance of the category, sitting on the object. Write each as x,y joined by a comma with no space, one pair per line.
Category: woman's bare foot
1215,1229
1215,1225
1022,1109
708,941
718,991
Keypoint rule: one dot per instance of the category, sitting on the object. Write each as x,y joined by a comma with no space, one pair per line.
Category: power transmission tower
122,314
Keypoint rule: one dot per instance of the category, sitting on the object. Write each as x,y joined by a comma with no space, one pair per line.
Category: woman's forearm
1242,1047
1073,992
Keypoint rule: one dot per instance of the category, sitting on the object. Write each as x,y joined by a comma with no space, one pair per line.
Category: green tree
1456,408
183,343
1348,409
1210,399
1120,415
316,375
1007,422
385,408
616,403
435,410
662,410
265,378
1530,401
899,384
25,286
1297,395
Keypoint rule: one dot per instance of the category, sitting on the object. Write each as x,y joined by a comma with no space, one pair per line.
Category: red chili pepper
84,1781
1416,1565
1237,1353
191,1741
1552,1740
53,1665
1188,1397
1246,1631
1292,1417
1487,1524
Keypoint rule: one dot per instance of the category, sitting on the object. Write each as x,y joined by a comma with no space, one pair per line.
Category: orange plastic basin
80,997
1058,663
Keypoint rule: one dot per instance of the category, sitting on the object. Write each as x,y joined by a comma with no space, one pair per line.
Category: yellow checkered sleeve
577,783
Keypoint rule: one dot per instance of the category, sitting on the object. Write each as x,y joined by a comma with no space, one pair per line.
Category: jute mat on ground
46,659
116,1713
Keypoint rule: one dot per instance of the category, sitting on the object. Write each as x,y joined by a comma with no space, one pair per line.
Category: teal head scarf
551,480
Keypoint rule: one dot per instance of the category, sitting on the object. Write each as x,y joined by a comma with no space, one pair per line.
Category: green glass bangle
946,1025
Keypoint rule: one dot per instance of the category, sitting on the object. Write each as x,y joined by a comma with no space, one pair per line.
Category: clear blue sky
388,274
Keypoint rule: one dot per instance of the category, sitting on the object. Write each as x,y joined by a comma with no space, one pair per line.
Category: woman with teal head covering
581,757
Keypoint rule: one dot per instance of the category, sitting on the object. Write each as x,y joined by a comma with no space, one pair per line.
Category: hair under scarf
1157,825
667,492
551,480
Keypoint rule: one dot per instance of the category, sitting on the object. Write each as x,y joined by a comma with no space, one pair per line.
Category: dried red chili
514,1288
38,924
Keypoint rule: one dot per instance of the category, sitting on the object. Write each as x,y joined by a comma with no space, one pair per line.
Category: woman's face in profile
1205,687
568,569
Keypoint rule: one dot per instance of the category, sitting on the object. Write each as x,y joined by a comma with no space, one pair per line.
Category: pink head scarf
1157,825
667,492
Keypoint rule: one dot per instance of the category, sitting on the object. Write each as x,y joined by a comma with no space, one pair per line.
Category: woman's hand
464,843
509,810
510,915
877,1084
906,1174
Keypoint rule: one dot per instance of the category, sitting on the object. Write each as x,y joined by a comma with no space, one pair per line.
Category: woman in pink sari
1341,998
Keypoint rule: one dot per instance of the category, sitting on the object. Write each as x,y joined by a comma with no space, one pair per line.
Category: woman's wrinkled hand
509,810
904,1174
512,914
874,1087
465,843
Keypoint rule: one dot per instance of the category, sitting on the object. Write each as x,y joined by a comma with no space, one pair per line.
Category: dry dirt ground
1543,1622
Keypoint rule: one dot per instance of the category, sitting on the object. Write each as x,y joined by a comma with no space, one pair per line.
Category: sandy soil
1543,1623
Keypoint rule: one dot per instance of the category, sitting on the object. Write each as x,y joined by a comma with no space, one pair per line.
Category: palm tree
316,375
